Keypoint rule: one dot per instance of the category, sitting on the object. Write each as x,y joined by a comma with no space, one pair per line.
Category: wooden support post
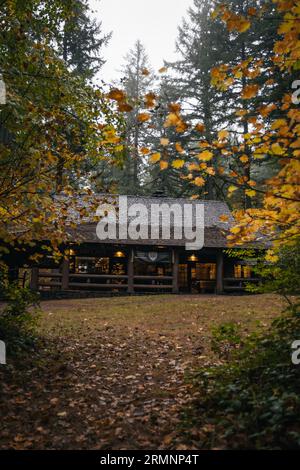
130,272
34,279
65,268
175,269
220,272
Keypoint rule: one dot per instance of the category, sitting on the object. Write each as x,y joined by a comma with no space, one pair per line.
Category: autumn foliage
267,132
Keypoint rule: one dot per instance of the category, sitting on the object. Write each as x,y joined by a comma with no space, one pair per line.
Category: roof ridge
215,201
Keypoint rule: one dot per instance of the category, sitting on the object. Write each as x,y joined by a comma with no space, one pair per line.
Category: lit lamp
193,258
119,254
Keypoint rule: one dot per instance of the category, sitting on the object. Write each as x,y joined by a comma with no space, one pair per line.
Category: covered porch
95,267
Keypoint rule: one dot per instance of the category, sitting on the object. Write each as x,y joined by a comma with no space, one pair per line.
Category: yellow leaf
243,26
232,188
235,230
164,141
279,123
277,149
214,14
178,163
238,74
223,135
271,257
155,157
172,120
250,192
224,218
199,181
205,156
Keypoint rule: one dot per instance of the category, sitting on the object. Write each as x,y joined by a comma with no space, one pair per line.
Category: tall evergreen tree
137,81
204,43
82,40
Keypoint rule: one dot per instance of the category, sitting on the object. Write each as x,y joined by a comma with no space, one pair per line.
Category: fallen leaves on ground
110,373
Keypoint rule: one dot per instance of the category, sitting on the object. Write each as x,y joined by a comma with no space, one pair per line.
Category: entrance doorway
195,277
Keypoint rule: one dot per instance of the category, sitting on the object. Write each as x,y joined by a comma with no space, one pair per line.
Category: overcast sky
154,22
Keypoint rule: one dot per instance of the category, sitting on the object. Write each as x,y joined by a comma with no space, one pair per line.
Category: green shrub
19,317
225,339
253,400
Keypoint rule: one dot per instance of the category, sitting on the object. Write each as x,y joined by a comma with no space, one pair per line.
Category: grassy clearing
178,315
110,373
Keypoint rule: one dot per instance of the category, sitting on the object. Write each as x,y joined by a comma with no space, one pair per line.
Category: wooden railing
109,281
110,278
155,282
238,284
49,283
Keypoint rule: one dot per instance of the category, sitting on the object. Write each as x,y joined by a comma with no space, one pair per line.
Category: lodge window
85,265
206,271
152,264
242,271
101,265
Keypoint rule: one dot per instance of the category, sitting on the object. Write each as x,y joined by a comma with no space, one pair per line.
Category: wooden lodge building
97,267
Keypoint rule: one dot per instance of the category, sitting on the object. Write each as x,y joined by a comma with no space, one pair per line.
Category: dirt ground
111,373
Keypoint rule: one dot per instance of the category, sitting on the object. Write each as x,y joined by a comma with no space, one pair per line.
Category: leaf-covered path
111,372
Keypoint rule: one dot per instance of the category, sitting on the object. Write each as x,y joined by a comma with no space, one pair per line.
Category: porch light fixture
119,254
193,258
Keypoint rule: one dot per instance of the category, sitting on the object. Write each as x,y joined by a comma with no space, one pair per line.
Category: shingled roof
216,230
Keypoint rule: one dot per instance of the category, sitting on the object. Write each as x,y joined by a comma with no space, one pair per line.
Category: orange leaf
200,127
179,147
143,117
172,120
244,158
205,156
199,181
249,92
117,95
164,165
155,157
174,107
124,107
